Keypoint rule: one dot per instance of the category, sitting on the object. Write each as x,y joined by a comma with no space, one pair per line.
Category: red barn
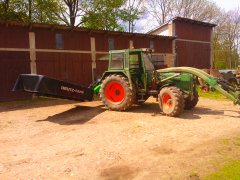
192,46
79,55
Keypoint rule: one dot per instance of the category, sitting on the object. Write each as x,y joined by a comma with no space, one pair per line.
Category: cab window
148,63
134,60
117,61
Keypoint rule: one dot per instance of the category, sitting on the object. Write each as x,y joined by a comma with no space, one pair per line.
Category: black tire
233,81
175,101
109,100
189,104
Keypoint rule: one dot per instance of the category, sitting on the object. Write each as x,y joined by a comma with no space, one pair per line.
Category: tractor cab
141,69
132,59
135,64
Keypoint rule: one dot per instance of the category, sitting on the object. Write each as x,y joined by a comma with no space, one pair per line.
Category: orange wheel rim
114,92
204,89
167,101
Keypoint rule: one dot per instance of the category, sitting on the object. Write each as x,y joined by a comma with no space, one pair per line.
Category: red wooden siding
120,42
66,66
69,66
193,31
11,65
72,40
193,54
13,37
163,46
101,67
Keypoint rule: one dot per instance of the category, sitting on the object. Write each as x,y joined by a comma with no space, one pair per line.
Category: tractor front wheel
191,103
115,93
171,101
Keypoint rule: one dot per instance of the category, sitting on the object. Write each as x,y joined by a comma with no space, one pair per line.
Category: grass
227,167
236,141
231,171
211,95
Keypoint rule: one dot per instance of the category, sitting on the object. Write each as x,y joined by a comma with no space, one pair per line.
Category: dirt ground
61,139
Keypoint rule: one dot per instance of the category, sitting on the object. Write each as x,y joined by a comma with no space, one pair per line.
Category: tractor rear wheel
189,104
171,101
115,93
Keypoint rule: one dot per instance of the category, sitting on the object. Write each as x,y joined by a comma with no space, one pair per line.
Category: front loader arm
220,85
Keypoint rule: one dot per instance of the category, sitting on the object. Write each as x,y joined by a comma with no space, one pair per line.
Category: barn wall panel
120,42
11,65
163,46
13,37
72,40
192,31
101,42
101,64
70,67
193,54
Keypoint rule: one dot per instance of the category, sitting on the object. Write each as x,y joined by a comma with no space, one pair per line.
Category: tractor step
50,87
153,92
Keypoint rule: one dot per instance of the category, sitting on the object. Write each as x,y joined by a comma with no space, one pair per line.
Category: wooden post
93,57
174,51
32,50
211,50
131,44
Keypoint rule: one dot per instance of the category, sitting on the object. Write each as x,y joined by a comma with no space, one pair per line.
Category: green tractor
132,79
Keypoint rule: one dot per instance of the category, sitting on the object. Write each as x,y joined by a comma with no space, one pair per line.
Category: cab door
148,68
136,70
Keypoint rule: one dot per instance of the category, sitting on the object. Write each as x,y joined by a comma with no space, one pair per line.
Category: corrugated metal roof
193,21
185,20
67,28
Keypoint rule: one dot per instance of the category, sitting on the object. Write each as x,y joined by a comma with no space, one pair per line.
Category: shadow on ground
34,103
76,115
197,111
192,114
82,114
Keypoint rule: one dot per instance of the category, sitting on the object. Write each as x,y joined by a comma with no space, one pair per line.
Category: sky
145,24
227,4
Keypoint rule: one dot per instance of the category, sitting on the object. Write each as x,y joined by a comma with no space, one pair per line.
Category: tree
13,10
130,12
161,10
226,39
202,10
40,11
103,14
70,10
43,11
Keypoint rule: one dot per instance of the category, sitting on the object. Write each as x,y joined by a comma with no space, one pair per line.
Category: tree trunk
6,7
30,10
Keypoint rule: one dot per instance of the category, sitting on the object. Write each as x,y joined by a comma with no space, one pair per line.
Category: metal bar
173,76
52,50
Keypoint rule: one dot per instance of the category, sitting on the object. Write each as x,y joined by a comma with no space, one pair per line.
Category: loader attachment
220,85
50,87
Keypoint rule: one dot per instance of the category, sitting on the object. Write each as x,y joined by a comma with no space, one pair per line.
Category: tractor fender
123,73
165,85
107,73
